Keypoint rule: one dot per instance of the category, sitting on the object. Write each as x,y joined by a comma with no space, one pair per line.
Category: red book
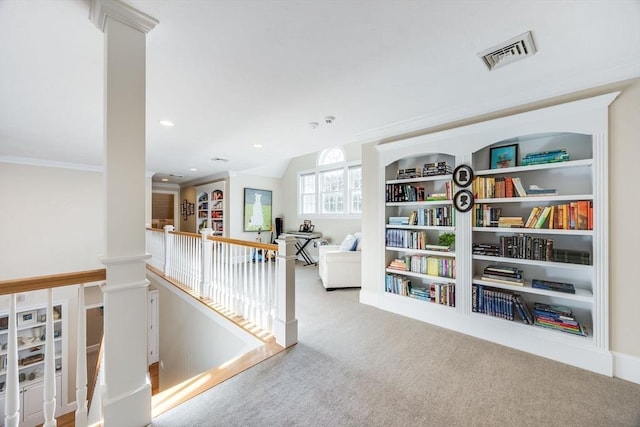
590,216
508,187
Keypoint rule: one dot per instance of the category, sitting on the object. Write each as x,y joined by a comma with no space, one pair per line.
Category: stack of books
409,173
399,264
398,220
436,168
534,190
543,157
557,317
510,222
553,286
503,274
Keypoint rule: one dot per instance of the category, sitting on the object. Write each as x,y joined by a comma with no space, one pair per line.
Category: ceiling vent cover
510,51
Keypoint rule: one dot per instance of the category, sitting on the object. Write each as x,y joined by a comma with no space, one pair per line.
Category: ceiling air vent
510,51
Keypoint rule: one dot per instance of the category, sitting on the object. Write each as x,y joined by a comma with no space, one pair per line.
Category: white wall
51,220
192,339
235,196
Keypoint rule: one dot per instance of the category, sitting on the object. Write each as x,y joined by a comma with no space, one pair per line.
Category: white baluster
167,250
81,363
205,264
49,397
12,395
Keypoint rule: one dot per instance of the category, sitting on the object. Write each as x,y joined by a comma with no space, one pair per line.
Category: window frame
345,166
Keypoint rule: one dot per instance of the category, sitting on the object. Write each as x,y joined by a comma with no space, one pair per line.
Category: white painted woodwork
49,397
126,390
81,362
153,327
12,387
586,121
286,324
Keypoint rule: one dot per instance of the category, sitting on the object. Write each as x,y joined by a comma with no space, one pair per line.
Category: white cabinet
570,246
211,207
31,328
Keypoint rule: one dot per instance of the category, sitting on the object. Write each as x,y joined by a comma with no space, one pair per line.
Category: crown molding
27,161
101,9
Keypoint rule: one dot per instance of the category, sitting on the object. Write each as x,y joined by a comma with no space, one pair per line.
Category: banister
257,245
28,284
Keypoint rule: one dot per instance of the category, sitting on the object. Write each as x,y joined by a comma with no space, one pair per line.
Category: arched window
333,188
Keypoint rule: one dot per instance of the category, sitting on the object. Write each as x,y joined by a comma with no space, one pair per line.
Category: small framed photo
503,157
463,175
463,201
26,318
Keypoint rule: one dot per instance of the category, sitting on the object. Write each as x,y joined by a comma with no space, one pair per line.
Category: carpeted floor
356,365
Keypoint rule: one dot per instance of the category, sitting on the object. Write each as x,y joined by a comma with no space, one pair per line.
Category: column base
286,333
132,409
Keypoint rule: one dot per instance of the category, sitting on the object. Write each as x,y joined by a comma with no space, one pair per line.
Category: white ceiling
231,73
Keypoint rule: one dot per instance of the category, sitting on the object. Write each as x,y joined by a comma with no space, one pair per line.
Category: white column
49,397
81,362
205,265
286,325
126,390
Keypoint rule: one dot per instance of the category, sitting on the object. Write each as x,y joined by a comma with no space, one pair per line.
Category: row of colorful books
499,303
429,169
439,293
415,193
433,266
542,157
441,216
408,239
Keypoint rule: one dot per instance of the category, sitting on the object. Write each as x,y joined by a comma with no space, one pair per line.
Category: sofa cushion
348,243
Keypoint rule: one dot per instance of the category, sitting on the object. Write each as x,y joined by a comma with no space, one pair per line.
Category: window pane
307,194
355,189
309,204
332,191
330,156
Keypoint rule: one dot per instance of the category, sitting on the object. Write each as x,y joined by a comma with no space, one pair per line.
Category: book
543,217
518,187
553,286
503,281
532,217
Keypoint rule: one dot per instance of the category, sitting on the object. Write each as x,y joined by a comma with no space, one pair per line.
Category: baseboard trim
626,367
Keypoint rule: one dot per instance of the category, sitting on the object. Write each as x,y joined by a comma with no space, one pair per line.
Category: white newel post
49,393
81,363
12,394
126,389
286,325
205,265
168,248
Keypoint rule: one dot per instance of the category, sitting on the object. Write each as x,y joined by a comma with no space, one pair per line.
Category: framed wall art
503,157
257,210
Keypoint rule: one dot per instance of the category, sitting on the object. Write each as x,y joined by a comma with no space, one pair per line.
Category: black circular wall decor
463,201
463,175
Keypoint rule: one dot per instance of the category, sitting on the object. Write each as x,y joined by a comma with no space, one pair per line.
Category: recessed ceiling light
257,145
166,123
193,170
165,179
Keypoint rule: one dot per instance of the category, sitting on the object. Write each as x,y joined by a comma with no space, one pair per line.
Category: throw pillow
358,245
348,242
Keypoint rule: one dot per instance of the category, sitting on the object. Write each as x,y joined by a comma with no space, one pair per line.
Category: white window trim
317,170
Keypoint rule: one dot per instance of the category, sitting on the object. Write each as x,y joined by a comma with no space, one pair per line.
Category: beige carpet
356,365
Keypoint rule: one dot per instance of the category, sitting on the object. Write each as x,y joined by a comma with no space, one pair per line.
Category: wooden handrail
28,284
257,245
157,230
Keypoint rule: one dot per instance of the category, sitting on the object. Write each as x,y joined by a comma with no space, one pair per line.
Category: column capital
115,9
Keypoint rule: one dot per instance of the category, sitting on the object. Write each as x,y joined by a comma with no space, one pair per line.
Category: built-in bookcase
211,208
565,244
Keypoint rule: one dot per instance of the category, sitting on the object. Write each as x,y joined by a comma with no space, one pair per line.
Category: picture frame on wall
503,157
257,210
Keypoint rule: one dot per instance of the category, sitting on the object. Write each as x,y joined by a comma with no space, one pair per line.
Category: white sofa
339,269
